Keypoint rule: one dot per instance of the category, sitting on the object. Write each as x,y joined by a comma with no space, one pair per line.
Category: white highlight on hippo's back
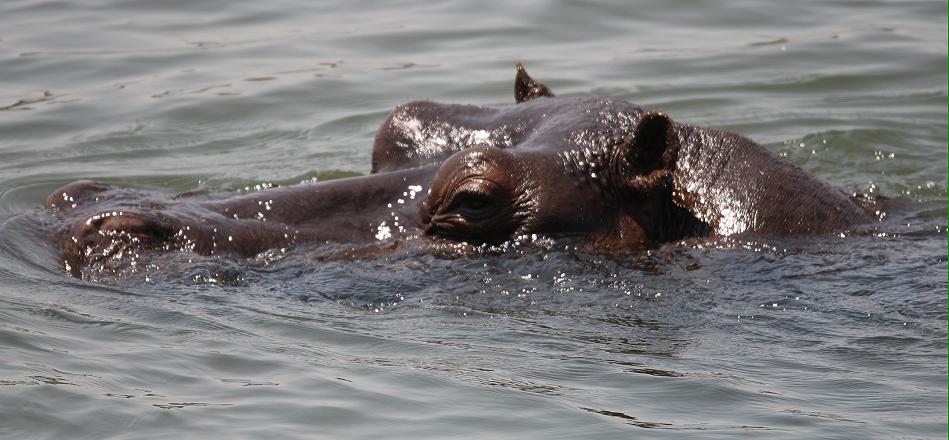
430,139
413,190
68,198
385,230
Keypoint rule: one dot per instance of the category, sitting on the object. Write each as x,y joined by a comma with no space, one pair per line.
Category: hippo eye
473,205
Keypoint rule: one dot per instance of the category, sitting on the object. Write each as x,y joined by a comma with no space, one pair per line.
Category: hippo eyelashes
472,217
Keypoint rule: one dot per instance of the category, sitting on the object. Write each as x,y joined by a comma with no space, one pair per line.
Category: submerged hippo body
604,170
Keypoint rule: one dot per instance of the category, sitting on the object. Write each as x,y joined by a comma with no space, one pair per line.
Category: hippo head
609,172
608,191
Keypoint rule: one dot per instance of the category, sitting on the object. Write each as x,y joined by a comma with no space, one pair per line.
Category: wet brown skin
611,173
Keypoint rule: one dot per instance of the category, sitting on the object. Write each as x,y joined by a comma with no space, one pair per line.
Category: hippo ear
648,157
526,89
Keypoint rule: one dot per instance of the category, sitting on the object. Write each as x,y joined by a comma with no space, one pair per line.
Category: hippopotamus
609,173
